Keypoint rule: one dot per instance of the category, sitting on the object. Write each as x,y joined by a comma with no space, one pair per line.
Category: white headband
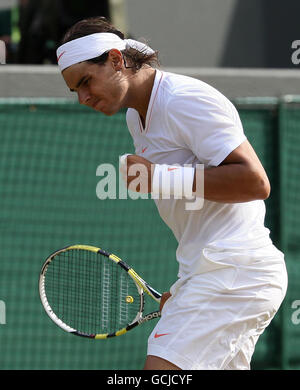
94,45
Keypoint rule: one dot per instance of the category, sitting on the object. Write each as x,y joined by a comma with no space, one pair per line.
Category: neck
139,93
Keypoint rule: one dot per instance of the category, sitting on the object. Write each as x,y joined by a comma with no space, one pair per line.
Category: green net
290,223
49,156
50,151
260,121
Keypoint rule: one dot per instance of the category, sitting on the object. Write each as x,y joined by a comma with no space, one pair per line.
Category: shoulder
179,84
185,93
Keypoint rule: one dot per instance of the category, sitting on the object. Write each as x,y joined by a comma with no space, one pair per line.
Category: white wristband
172,180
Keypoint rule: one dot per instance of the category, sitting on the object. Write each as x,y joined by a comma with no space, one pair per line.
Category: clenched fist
137,173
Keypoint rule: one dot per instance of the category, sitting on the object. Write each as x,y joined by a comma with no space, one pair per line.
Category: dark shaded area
42,24
282,28
261,34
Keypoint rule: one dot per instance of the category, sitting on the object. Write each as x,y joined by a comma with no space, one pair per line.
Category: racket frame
142,287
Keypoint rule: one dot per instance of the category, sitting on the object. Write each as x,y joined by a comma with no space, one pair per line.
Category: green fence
50,150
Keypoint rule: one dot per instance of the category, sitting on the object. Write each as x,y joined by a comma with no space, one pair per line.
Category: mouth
98,106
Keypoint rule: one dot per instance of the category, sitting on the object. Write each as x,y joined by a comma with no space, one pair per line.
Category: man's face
101,87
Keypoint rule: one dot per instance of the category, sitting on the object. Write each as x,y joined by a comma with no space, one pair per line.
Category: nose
83,96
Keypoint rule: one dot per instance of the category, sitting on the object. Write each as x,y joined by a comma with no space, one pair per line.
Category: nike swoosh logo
160,335
144,149
60,55
171,169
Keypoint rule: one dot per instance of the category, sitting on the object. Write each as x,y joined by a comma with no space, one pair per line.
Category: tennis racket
91,293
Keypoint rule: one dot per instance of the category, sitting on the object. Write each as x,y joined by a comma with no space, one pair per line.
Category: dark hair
100,24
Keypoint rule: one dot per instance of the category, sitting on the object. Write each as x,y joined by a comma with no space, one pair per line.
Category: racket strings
91,293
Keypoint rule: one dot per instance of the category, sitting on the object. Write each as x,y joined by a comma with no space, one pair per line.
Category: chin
108,111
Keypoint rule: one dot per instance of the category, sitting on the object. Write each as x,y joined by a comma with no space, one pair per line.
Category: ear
116,59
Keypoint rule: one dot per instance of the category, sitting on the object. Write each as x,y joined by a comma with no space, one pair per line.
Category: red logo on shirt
172,169
144,149
160,335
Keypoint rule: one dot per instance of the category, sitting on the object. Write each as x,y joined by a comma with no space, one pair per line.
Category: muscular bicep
244,154
239,178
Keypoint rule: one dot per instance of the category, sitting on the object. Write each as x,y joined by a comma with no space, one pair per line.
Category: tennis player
232,279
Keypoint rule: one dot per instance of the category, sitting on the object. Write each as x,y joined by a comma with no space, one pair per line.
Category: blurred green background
50,150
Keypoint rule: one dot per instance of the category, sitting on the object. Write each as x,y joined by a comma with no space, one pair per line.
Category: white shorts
213,320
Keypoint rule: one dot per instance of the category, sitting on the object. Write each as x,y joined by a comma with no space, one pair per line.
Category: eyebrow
79,83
